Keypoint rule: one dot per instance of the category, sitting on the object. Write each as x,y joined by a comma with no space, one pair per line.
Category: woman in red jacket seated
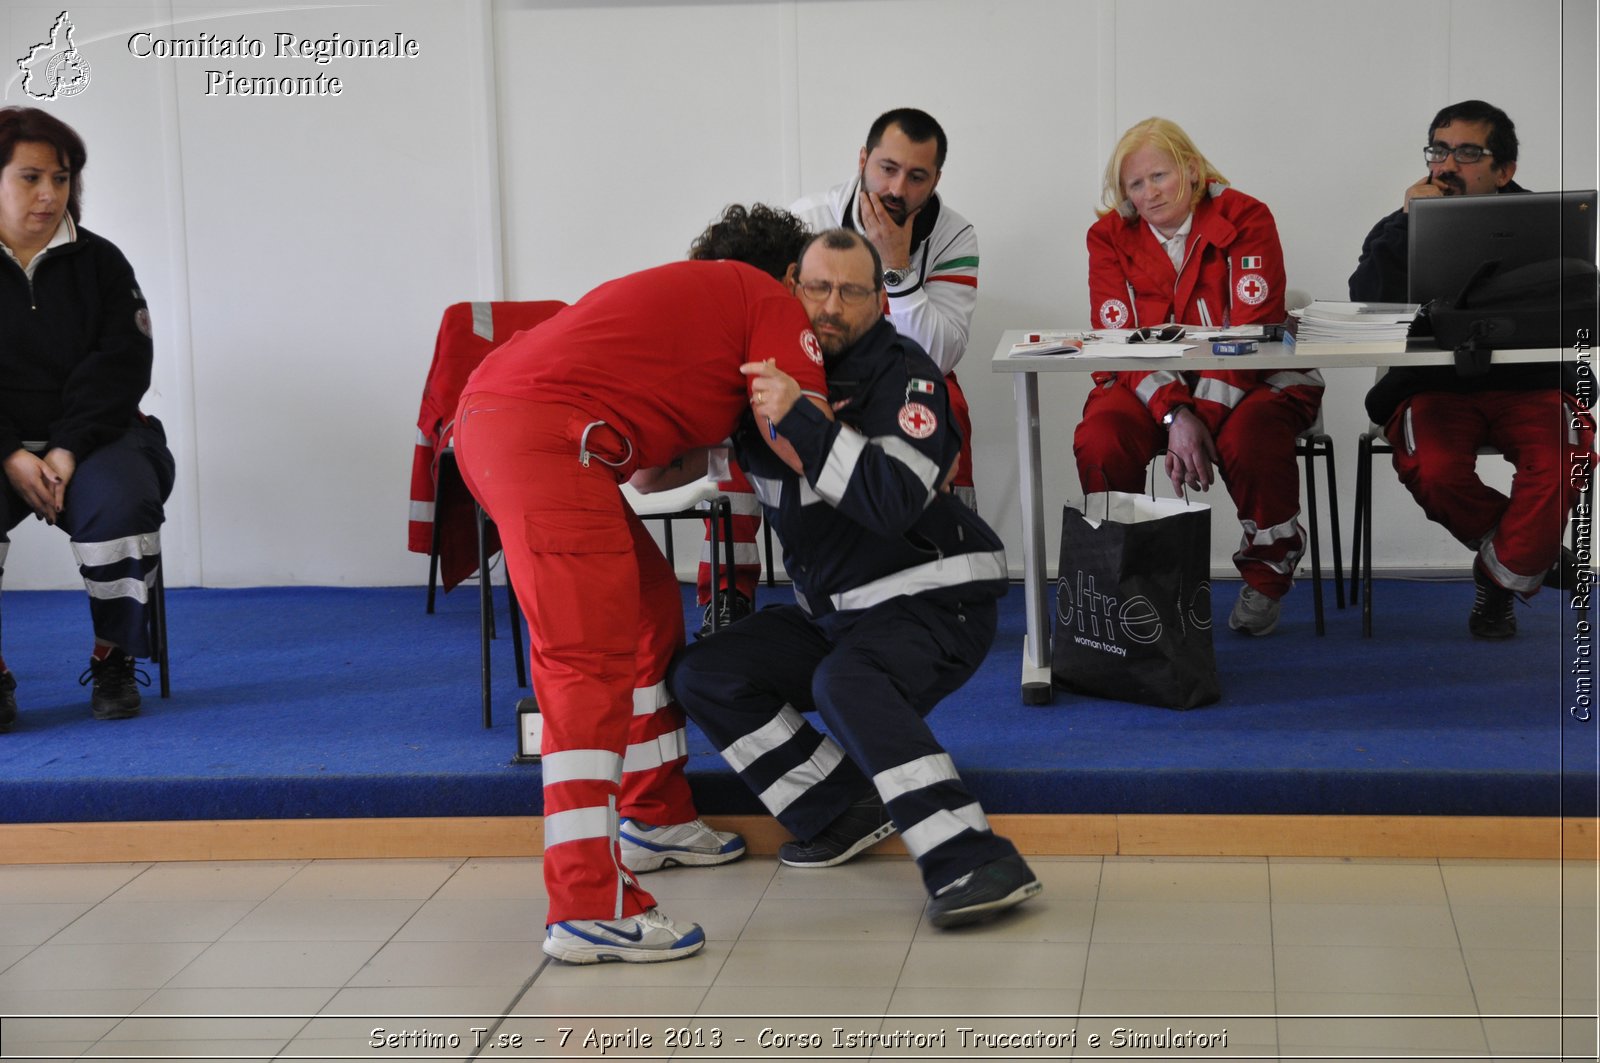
1175,244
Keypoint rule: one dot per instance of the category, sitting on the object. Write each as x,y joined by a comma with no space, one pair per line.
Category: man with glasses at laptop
1437,419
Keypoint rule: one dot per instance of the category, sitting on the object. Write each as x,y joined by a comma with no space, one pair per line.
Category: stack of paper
1374,328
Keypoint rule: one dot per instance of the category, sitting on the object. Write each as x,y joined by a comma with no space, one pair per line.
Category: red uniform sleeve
1108,286
1257,240
780,330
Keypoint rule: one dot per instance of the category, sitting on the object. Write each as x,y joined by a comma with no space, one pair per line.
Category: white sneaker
1254,613
693,844
649,937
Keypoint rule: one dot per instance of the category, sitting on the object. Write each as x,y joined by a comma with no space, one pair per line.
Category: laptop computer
1452,238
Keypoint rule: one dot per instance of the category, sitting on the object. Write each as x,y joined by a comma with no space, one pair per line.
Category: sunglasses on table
1157,334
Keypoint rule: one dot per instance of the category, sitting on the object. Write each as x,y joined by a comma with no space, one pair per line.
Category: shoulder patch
809,344
917,421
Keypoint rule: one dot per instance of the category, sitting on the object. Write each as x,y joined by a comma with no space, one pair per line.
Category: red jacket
1232,275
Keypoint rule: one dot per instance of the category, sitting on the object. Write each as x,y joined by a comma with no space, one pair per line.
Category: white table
1036,685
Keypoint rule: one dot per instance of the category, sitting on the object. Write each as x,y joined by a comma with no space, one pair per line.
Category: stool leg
516,632
1308,450
1333,524
485,612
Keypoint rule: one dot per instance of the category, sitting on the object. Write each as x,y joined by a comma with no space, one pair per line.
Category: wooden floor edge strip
1456,837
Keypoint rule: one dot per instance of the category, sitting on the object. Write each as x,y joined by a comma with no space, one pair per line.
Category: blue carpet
317,702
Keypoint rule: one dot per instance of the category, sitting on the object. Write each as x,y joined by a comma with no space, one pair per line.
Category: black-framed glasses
1157,334
1465,154
849,294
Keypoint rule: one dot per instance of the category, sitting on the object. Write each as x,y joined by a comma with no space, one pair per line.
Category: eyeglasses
849,294
1157,334
1465,154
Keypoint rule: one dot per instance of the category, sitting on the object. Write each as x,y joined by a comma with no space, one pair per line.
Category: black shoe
862,825
8,701
1492,614
729,606
116,690
983,893
1566,573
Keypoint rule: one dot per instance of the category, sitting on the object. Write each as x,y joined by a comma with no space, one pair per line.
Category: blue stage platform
330,703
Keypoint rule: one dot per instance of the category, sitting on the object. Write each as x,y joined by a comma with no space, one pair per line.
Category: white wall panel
298,252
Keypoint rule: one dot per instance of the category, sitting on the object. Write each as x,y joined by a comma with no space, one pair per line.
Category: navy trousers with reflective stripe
872,676
113,515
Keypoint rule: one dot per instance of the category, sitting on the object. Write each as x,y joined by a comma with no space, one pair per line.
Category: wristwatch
1172,415
893,278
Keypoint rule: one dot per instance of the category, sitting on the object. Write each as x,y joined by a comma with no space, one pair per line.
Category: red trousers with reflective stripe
1436,437
747,511
604,618
1117,438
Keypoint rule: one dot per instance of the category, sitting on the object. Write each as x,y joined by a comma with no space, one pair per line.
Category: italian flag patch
1250,262
924,386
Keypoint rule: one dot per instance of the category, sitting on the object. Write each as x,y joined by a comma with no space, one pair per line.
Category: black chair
697,501
1373,441
1309,445
449,482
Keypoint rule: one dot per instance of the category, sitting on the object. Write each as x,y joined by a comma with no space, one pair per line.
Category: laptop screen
1452,237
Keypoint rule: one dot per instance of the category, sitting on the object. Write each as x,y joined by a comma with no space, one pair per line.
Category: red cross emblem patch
1113,313
809,344
1251,289
917,421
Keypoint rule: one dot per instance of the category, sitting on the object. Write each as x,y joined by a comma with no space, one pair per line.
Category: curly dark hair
764,237
30,123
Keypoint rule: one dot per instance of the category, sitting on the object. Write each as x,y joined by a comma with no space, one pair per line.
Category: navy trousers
113,515
872,675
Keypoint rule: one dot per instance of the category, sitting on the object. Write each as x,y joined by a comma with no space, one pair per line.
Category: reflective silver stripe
840,464
650,755
36,446
743,553
764,739
1508,579
137,589
483,320
967,496
1259,536
1411,436
945,572
576,825
768,491
914,775
1205,311
940,827
571,765
1286,378
1154,383
924,468
744,504
1218,391
800,600
646,700
808,497
422,440
113,550
422,511
789,789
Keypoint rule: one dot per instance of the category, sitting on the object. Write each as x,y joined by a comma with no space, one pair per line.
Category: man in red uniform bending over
632,376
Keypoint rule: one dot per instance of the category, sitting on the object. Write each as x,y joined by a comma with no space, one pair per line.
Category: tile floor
1293,958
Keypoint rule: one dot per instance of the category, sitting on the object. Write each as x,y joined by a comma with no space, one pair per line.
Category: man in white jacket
930,278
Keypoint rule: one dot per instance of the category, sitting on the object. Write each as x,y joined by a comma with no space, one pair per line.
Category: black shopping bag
1133,601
